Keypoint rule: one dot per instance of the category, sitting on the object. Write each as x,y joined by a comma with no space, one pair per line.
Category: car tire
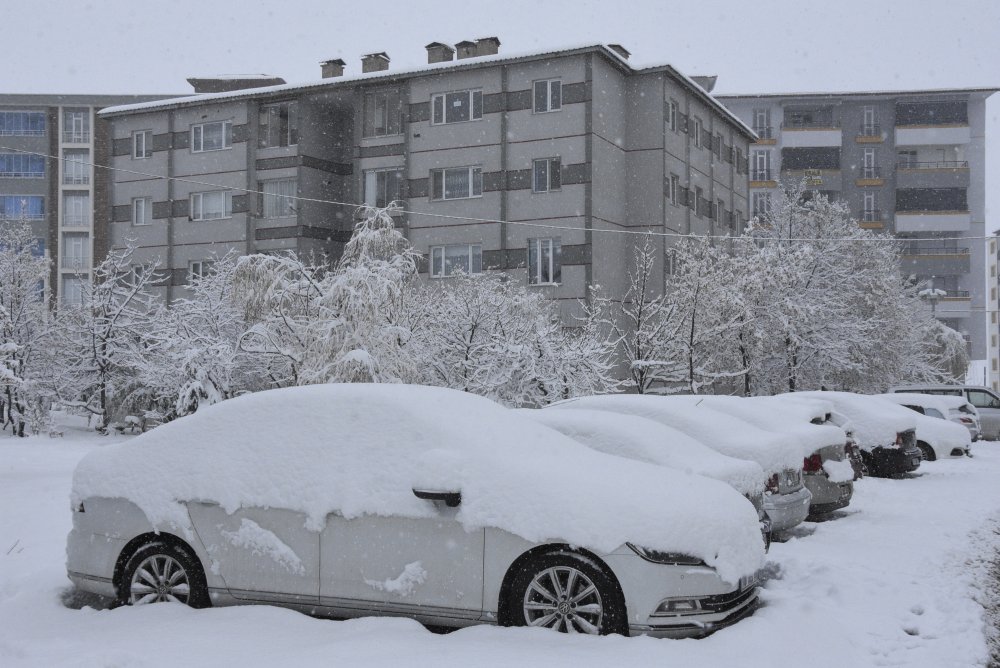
163,571
569,592
926,452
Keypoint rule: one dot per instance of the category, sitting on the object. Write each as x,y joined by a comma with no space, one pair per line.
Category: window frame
550,85
23,129
280,206
472,172
147,211
698,127
379,188
534,252
553,165
672,110
370,106
204,268
147,144
291,125
470,92
227,136
673,188
227,205
472,248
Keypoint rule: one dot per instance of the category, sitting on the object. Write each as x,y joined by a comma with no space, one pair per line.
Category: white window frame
77,208
197,205
535,253
758,196
198,136
142,144
198,269
672,108
142,211
371,106
550,86
673,188
471,94
869,161
291,125
438,254
697,132
373,189
552,166
761,160
473,172
280,207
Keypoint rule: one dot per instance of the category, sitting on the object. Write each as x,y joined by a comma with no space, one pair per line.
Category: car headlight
674,558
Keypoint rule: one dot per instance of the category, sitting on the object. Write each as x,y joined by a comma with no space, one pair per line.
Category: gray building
525,164
909,163
48,145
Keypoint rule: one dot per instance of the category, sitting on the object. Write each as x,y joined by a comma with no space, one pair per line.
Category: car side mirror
451,499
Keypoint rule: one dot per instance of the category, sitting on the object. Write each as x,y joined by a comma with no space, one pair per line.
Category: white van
986,401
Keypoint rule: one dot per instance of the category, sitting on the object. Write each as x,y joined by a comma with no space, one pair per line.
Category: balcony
933,174
933,258
871,219
933,221
76,179
762,178
938,164
75,263
804,133
765,135
76,137
869,175
869,133
957,294
929,135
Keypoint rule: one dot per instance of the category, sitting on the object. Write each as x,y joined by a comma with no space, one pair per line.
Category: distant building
911,163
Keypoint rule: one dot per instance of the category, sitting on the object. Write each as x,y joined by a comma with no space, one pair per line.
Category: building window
761,204
279,198
458,183
672,116
76,209
720,211
544,261
71,291
456,259
383,186
697,132
762,123
22,166
717,143
214,136
458,107
17,207
22,124
199,269
869,166
278,125
142,211
383,113
76,251
546,175
211,205
673,188
142,144
761,166
76,126
548,96
76,167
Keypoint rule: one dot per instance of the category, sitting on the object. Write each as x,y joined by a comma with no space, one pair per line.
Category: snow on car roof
943,434
360,449
941,402
875,421
720,431
652,442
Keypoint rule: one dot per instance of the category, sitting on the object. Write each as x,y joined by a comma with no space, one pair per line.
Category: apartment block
48,146
907,163
528,164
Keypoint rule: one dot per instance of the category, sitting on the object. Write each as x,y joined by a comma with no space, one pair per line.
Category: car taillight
772,483
812,463
899,439
965,420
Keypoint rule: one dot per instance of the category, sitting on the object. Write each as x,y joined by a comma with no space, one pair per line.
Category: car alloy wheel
159,578
565,599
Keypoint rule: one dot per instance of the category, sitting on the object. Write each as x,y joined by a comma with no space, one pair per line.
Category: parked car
786,500
943,406
648,441
885,432
351,500
986,401
937,436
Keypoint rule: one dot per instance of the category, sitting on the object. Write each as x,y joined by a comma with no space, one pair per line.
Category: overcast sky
140,46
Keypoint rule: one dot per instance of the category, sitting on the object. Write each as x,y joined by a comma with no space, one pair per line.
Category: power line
675,235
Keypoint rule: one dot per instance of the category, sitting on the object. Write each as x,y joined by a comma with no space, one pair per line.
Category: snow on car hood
360,450
648,441
874,421
719,431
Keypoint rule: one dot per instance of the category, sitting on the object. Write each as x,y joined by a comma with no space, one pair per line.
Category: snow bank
719,431
874,421
651,442
361,449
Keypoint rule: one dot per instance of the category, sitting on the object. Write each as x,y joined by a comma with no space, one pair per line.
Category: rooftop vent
333,68
708,83
223,83
620,50
487,46
375,62
466,49
438,52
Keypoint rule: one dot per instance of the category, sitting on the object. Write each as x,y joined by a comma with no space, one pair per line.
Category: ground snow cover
892,581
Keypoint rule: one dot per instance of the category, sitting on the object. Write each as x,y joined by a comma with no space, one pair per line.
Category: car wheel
926,452
162,571
568,592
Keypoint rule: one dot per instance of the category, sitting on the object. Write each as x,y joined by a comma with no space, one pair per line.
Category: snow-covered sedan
352,500
937,436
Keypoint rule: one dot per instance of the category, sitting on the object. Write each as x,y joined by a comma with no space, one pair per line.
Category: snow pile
413,574
361,449
719,431
874,421
261,542
838,471
648,441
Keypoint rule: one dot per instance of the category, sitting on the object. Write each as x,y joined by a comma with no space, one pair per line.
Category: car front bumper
787,510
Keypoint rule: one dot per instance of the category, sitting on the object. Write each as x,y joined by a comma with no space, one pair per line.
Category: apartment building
527,164
908,163
48,146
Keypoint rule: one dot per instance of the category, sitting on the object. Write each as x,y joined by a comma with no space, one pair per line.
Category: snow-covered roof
884,93
652,442
361,449
464,63
874,421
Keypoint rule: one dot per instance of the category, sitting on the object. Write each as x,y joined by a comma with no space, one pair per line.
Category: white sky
142,46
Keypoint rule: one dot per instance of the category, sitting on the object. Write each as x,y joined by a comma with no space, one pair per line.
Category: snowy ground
893,580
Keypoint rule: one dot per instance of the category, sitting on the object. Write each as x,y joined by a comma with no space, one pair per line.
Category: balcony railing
76,137
925,248
956,294
934,164
8,215
869,172
870,130
765,132
818,124
73,262
871,216
76,179
760,175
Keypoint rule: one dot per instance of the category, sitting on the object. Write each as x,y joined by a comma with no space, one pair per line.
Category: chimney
439,53
708,83
466,49
487,46
620,50
332,68
375,62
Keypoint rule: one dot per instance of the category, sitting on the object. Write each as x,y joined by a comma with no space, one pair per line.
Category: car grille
723,602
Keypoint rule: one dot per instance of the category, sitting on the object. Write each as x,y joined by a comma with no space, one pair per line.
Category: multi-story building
909,163
48,146
529,165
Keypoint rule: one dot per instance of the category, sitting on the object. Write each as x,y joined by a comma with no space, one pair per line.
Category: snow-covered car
352,500
851,447
885,432
655,443
942,406
937,436
786,500
985,400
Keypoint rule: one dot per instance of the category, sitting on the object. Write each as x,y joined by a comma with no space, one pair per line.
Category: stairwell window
457,183
142,144
279,124
548,96
216,136
546,175
142,210
383,186
279,198
211,205
544,261
456,259
457,107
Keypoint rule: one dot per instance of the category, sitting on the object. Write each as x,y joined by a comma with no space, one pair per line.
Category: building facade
908,163
530,165
48,146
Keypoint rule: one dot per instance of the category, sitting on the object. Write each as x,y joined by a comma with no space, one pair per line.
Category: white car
937,436
352,500
942,406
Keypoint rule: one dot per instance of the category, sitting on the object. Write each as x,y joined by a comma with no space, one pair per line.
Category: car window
919,409
933,412
981,399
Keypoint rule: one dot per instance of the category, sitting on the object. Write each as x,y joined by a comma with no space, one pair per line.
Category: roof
55,99
863,93
449,65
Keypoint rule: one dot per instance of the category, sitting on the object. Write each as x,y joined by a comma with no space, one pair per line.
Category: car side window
981,399
933,412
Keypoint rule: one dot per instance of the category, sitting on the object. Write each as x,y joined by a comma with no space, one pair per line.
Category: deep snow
892,581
